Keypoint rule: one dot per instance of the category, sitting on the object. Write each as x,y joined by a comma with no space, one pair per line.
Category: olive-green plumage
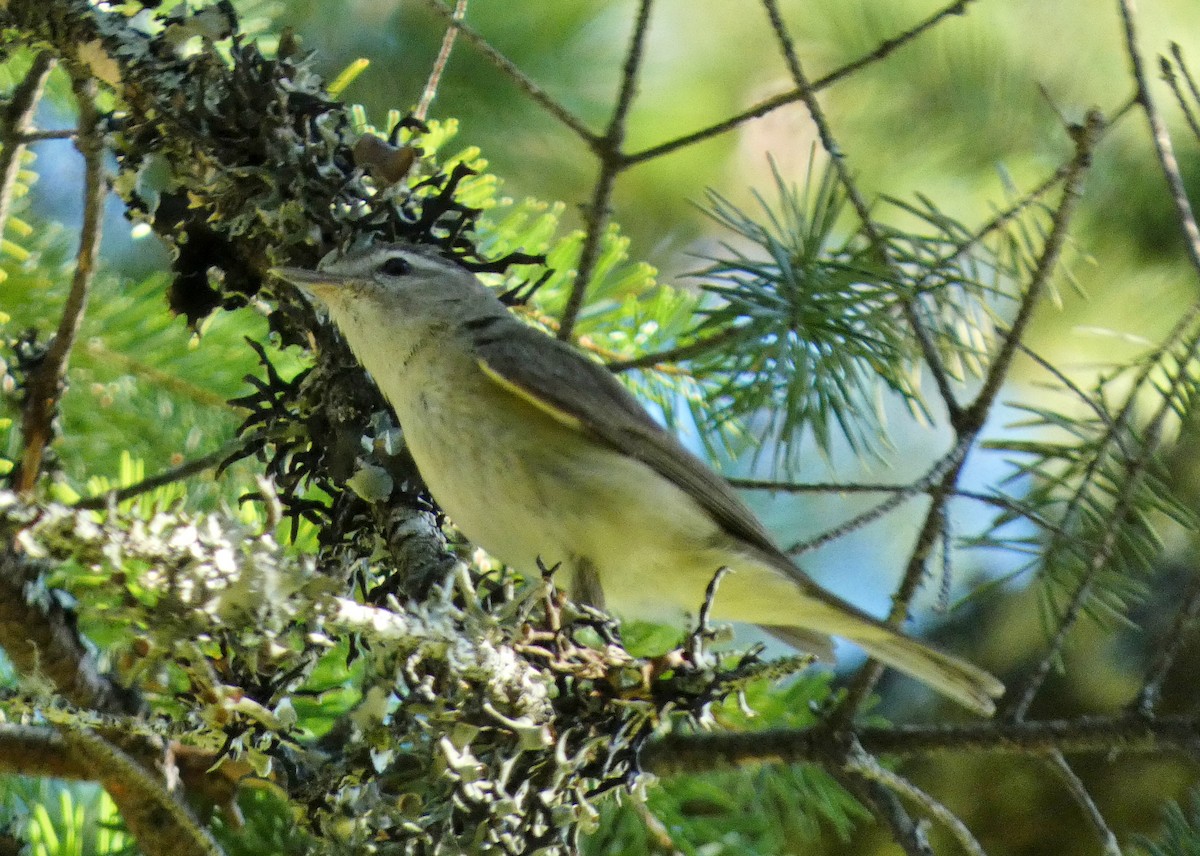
538,453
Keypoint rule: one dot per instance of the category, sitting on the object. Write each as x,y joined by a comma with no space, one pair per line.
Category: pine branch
1123,505
858,201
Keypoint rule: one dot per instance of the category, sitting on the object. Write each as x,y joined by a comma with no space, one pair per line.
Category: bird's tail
793,607
955,678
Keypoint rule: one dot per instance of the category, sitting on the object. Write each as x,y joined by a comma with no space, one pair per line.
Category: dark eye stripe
396,266
477,324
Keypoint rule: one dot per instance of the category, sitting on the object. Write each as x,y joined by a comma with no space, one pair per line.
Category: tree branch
509,68
175,474
973,418
882,50
1160,136
1083,799
44,385
612,162
41,638
439,64
17,122
808,95
162,825
1128,733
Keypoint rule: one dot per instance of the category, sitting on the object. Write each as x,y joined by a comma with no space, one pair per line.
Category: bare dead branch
439,64
762,108
1083,799
1163,147
612,162
523,82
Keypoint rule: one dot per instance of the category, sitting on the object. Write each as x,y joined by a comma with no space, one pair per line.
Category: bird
542,458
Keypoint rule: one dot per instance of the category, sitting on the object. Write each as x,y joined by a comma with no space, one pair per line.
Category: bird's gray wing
584,395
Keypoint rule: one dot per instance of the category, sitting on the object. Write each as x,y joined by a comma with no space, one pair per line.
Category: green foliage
62,819
1095,485
1180,834
812,322
266,827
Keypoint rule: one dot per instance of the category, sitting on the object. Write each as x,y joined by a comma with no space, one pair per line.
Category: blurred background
970,115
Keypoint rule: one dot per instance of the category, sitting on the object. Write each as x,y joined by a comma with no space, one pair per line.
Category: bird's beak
316,283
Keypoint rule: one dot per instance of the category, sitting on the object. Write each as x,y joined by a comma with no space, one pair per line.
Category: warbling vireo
538,453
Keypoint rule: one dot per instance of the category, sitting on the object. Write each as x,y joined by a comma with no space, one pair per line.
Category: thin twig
178,473
773,103
439,64
975,416
1162,139
17,119
937,473
1060,376
910,835
44,384
1086,136
518,77
608,150
1091,811
1172,644
869,767
1177,53
1168,73
656,829
41,136
680,353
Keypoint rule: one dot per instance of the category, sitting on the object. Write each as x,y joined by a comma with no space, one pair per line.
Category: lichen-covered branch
39,634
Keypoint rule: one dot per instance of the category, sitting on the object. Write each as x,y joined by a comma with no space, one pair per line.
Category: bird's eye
396,266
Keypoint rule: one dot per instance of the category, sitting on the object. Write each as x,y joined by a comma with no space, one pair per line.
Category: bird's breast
527,488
